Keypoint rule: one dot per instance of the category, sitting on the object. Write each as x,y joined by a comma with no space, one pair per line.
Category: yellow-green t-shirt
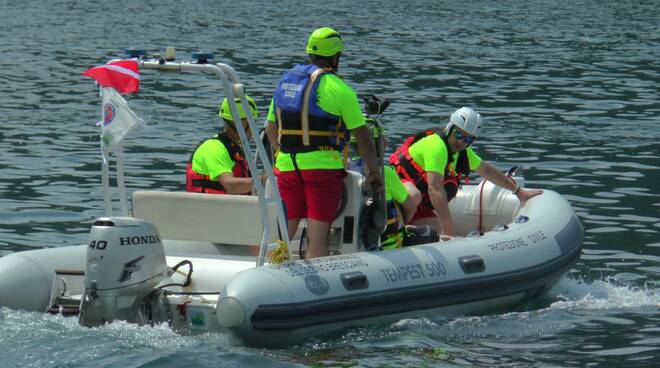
394,188
334,97
212,159
430,153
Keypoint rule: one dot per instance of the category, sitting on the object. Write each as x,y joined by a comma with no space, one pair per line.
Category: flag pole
121,186
105,169
105,181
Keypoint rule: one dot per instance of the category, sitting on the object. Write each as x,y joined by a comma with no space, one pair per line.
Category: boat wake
601,294
38,339
568,304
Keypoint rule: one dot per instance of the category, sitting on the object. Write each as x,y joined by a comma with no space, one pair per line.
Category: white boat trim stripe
120,69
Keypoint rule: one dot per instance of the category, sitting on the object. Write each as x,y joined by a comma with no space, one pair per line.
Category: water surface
568,89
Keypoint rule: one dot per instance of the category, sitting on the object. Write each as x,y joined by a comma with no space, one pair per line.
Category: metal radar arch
231,83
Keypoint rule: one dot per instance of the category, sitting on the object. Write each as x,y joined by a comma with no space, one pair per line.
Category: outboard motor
125,262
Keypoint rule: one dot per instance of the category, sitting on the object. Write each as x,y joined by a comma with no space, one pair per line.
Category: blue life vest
325,131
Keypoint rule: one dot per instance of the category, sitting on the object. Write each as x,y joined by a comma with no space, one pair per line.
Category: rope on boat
280,254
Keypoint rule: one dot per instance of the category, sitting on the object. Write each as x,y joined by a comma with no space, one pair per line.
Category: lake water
568,89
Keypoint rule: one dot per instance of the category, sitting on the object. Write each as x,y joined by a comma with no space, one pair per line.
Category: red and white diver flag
122,75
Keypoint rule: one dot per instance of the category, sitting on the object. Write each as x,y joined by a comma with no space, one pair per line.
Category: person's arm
491,173
271,132
271,126
234,185
439,201
368,153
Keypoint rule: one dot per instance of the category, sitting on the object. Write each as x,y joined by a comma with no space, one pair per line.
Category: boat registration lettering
537,236
505,245
413,272
327,264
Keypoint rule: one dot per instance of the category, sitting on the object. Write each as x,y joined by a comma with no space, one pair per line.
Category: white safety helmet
466,119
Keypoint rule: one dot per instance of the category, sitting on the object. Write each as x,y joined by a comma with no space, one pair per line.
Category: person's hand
445,237
375,180
525,194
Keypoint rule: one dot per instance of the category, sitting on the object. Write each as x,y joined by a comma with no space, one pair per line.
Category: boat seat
217,218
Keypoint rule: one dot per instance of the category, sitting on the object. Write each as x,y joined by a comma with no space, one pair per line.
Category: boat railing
234,89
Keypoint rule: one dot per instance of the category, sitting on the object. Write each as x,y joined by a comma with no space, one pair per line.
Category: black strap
233,150
406,165
207,184
295,165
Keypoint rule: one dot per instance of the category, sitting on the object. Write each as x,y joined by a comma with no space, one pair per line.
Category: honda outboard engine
125,262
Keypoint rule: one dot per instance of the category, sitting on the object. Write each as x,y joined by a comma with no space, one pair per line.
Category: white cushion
218,218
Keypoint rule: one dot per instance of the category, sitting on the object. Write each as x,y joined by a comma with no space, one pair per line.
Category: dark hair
229,122
319,58
323,61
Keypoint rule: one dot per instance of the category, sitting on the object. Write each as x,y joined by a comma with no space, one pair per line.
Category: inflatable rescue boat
199,261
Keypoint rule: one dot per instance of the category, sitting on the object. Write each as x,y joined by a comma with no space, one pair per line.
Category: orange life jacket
410,170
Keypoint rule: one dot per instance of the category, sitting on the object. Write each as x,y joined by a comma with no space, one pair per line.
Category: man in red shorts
311,116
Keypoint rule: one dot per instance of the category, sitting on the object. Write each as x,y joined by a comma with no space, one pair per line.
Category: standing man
218,164
436,161
310,118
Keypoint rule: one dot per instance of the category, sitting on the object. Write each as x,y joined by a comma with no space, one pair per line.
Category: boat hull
484,274
277,305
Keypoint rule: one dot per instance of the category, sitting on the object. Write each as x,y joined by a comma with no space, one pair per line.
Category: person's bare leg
317,233
293,227
413,192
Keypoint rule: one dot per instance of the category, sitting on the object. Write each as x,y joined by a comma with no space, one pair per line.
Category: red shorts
315,196
423,212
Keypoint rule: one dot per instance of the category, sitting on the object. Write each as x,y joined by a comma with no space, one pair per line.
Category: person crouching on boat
218,164
436,162
311,115
401,204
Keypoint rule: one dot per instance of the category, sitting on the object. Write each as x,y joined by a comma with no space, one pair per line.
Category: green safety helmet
225,111
324,41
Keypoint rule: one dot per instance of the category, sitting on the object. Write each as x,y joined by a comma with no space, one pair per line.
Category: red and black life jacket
199,183
408,169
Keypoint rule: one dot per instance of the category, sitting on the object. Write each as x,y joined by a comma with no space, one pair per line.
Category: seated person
218,164
400,207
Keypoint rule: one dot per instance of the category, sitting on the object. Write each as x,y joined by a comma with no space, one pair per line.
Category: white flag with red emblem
122,75
118,119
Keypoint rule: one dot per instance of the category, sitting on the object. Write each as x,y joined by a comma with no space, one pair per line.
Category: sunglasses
468,139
